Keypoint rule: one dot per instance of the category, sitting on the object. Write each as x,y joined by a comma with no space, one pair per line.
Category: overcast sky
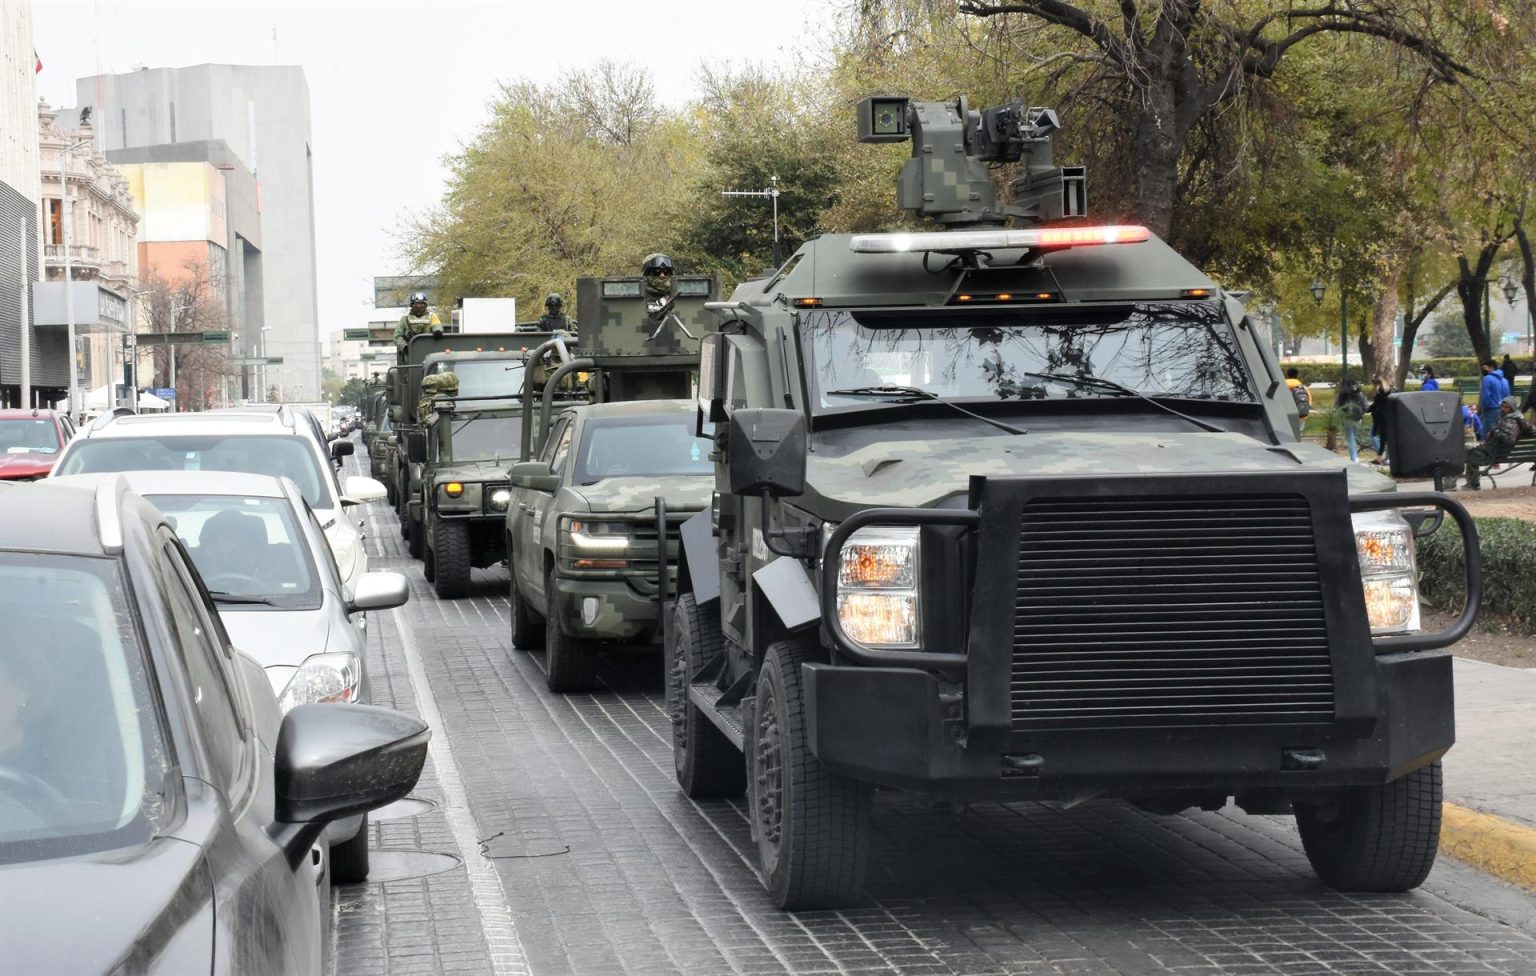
394,87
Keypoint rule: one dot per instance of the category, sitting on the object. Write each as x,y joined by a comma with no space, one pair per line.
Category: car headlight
877,587
1388,574
500,500
594,544
330,677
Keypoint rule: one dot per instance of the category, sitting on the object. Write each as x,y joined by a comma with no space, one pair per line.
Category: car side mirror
767,452
535,475
334,761
379,591
340,449
397,415
1425,431
358,489
416,446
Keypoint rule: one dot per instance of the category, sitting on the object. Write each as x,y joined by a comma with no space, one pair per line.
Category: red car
29,441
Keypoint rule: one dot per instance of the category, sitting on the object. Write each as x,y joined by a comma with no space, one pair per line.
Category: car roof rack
109,512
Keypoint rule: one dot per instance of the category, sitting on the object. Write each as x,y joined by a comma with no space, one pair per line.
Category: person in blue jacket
1430,383
1490,392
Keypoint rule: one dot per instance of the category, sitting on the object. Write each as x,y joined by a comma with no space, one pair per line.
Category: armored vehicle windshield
623,447
481,437
1176,349
484,377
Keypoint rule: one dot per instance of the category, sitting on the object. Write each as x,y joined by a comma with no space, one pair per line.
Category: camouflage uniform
410,325
435,385
550,322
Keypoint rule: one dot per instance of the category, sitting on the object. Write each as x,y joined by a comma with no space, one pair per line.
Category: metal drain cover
406,865
404,809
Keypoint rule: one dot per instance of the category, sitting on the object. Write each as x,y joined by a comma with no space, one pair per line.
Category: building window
55,221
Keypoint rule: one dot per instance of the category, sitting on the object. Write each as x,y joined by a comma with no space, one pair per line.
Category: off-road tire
428,563
415,539
708,765
812,827
527,628
349,860
1376,838
450,559
403,500
570,663
390,491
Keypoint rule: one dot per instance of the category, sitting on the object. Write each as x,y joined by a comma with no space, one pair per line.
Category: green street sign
215,336
355,335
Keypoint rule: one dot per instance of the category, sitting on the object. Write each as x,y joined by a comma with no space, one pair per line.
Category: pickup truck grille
1158,612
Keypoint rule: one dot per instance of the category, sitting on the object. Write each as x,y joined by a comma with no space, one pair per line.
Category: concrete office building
261,116
20,254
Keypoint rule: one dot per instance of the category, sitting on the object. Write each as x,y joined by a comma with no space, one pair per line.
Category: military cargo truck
606,481
1023,512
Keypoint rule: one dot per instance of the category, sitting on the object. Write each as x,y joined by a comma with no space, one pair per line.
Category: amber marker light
453,489
807,303
1196,293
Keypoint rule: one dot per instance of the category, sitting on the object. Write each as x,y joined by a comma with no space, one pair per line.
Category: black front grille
1157,612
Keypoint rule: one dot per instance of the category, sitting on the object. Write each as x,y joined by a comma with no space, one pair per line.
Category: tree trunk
1383,321
1528,280
1469,288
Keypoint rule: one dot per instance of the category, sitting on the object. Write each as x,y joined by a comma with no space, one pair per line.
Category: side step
726,718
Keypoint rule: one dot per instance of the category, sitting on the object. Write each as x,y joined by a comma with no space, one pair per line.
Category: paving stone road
599,865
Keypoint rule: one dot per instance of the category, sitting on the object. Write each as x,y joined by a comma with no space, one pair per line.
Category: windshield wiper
912,394
219,596
1124,390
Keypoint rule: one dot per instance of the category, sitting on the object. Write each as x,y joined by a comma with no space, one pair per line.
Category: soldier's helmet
554,303
418,298
657,270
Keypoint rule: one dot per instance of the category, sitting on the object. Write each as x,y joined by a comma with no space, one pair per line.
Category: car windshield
486,377
29,435
245,548
616,447
283,456
81,755
482,438
1173,349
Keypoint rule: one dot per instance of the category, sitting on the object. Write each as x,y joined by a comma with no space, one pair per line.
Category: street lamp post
1318,289
261,395
1511,292
69,277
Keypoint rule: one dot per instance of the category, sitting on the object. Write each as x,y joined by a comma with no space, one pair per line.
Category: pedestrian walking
1507,367
1299,392
1350,403
1378,411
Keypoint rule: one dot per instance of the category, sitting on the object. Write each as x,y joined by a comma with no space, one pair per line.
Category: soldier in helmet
418,320
554,318
657,271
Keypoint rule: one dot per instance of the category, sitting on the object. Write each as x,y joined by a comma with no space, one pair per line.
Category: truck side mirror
533,474
416,446
1425,432
711,388
767,452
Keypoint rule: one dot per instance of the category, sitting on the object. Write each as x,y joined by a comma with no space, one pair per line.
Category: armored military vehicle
606,481
1023,512
487,371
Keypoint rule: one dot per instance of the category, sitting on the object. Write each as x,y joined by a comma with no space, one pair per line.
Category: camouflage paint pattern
618,323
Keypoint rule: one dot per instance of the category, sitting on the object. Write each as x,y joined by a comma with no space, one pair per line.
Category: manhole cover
403,809
405,865
499,845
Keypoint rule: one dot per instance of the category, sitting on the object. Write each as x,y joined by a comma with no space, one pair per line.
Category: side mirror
1425,431
416,446
767,452
535,475
340,449
333,761
397,414
711,394
358,490
379,591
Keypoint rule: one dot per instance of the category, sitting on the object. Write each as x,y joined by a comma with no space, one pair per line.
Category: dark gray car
157,812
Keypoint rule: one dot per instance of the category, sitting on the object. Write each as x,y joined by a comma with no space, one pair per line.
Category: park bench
1524,452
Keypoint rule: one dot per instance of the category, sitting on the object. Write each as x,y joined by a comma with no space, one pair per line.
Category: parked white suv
272,442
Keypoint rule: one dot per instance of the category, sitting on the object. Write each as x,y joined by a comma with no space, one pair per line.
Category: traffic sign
256,360
215,336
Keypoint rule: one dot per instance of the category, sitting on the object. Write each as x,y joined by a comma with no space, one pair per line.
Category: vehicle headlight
458,496
330,677
877,584
598,536
500,499
1384,544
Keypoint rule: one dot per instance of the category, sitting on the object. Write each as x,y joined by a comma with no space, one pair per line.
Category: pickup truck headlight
877,598
331,677
1384,544
595,544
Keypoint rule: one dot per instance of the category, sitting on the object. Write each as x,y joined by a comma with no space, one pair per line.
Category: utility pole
772,193
26,321
69,277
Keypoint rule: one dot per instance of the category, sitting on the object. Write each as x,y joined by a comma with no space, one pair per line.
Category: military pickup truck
1023,512
606,481
467,430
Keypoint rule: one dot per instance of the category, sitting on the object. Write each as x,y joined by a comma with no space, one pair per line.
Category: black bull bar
956,662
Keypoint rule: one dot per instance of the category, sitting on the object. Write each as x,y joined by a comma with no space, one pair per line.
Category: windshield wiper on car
219,596
1124,390
912,394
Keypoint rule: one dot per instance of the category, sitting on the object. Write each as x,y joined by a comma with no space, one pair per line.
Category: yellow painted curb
1506,850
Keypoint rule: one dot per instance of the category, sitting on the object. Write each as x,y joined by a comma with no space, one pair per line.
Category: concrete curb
1503,849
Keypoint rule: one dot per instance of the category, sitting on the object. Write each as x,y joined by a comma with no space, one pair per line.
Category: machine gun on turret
947,177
